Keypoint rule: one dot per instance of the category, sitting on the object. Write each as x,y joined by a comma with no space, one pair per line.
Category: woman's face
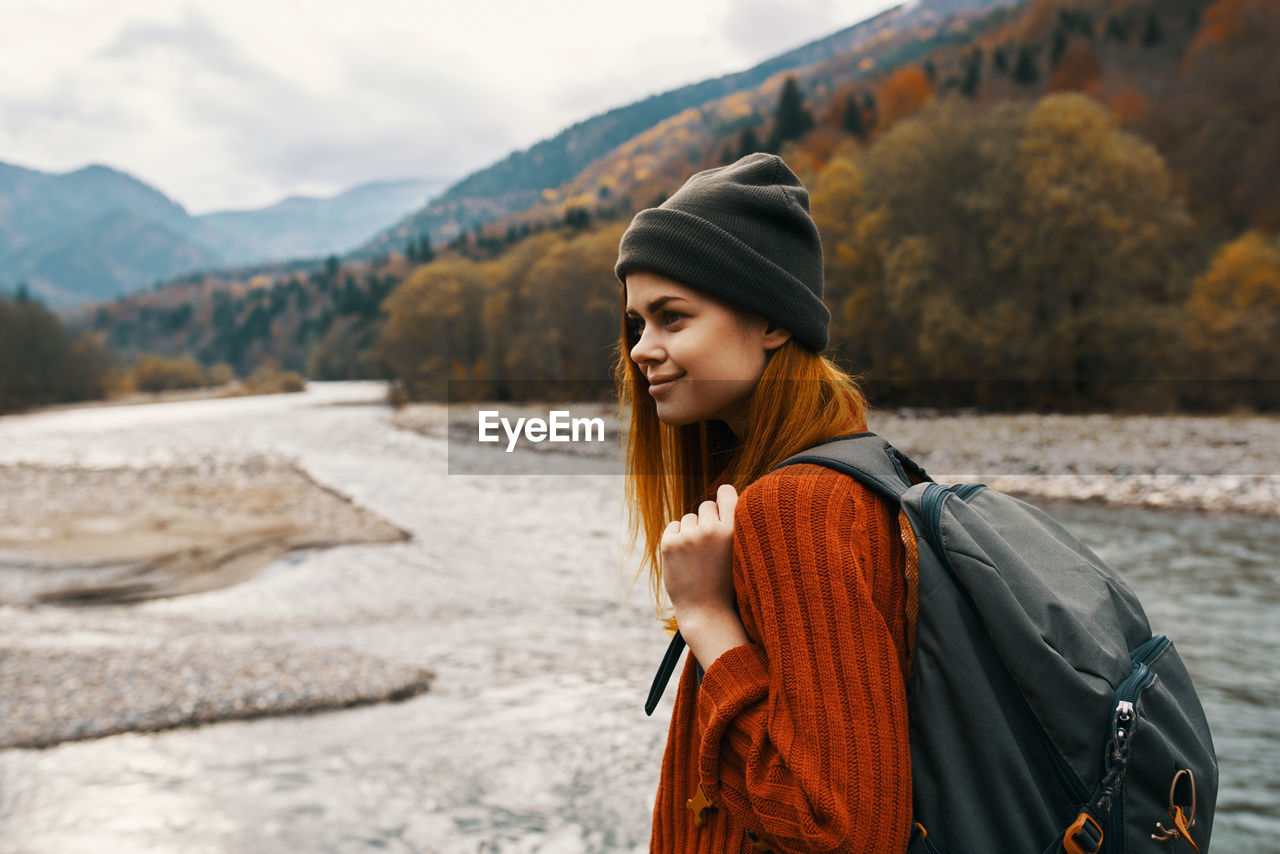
702,356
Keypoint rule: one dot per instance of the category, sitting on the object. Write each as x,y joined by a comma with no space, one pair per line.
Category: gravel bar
48,696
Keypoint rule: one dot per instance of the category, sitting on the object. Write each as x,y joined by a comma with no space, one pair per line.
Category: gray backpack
1044,716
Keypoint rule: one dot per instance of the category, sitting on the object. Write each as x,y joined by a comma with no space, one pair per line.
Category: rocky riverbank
110,537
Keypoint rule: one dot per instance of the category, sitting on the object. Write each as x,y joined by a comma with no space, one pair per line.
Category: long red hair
801,399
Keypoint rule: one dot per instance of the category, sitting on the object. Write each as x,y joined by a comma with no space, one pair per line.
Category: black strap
663,675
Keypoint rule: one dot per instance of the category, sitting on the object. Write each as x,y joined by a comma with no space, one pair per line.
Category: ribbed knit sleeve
803,732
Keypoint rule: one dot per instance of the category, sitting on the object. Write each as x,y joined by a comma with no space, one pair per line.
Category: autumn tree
1220,127
1078,70
902,95
1234,321
431,320
41,362
1034,244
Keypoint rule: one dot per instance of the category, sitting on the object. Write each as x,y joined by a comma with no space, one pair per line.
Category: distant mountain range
96,232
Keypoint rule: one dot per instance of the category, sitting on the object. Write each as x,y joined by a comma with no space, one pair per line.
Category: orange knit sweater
801,735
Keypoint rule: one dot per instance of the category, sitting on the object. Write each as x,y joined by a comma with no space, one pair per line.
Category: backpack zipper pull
1124,717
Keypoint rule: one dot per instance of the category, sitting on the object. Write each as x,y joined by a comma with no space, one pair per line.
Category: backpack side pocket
1172,786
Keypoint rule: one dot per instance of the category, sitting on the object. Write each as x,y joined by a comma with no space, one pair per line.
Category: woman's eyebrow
656,304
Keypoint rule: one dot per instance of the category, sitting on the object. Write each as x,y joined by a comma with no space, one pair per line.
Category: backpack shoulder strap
865,457
868,459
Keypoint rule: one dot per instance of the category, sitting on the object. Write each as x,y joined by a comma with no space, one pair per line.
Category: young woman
789,731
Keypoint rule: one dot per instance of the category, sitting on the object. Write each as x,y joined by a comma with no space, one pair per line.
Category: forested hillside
1066,206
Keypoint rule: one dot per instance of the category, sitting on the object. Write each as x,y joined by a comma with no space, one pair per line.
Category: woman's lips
656,389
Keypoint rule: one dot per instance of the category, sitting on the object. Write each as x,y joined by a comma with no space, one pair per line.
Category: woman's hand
697,557
697,569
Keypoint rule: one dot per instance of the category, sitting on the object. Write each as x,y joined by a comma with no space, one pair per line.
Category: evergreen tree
747,142
853,118
1059,47
1152,33
1116,29
1001,59
1025,72
791,120
972,74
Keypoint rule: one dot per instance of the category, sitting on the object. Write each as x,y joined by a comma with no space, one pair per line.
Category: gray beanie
741,233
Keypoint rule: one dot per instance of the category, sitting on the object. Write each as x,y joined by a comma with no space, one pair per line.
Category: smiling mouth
658,388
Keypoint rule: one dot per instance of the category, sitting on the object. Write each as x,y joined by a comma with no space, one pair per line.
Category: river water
514,591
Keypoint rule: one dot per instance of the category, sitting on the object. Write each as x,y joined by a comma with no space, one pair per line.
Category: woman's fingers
727,499
708,513
712,515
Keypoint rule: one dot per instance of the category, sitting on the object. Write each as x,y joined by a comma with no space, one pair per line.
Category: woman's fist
697,558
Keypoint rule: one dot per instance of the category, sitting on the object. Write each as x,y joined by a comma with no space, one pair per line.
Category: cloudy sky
238,103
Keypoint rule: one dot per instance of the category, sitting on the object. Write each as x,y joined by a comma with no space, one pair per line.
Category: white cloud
238,103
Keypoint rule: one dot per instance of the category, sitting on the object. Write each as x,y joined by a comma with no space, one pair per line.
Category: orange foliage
902,95
1078,70
1226,22
820,144
1128,106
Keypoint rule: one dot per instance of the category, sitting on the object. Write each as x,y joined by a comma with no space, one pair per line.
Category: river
514,591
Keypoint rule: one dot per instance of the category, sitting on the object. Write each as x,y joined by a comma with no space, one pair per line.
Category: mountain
518,182
117,252
303,226
96,232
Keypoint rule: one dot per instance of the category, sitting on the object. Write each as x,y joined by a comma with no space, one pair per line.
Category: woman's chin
676,416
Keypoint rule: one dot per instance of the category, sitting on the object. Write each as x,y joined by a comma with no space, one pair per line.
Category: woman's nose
645,349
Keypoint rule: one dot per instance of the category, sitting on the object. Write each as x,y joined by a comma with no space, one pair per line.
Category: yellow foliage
735,106
1235,307
579,200
160,373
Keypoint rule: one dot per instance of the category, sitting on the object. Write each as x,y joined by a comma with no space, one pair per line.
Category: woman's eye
671,316
634,329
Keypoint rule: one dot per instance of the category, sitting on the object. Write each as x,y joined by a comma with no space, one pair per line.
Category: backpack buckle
697,805
1084,836
1183,818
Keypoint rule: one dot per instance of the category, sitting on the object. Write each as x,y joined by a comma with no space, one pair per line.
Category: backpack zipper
1149,651
1123,725
931,504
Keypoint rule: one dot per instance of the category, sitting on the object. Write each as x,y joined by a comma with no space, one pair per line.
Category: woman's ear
775,336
